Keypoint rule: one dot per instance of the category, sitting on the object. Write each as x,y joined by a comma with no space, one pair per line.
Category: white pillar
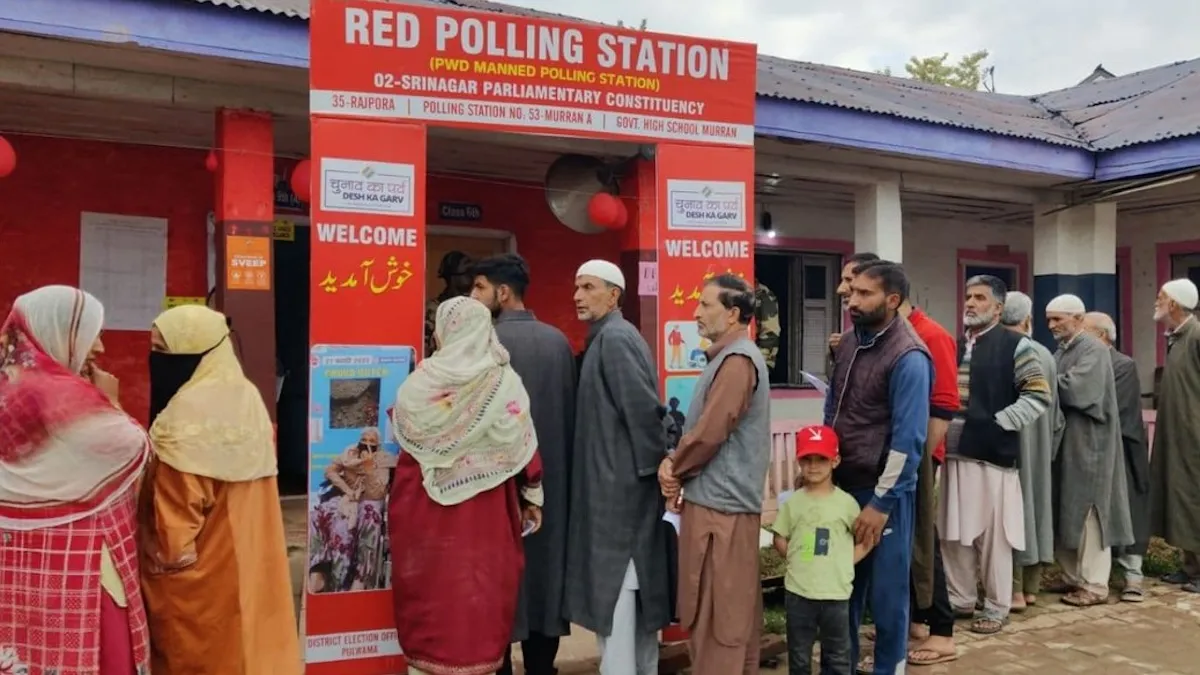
1075,241
877,221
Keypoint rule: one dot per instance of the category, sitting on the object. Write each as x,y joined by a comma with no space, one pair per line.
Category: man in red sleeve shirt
928,574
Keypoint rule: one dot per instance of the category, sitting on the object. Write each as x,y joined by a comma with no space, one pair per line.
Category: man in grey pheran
617,577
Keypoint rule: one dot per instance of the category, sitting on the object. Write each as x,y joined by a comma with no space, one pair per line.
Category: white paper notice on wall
123,262
706,205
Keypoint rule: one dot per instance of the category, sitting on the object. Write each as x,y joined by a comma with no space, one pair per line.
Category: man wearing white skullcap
1093,496
1175,458
617,581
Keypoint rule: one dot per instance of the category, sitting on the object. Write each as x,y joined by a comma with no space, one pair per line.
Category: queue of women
128,551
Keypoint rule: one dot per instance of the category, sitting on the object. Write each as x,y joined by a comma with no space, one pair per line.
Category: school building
181,110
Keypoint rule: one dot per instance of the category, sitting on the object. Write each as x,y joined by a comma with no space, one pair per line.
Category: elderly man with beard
1039,447
980,514
1175,460
717,476
1093,501
1137,460
878,403
617,577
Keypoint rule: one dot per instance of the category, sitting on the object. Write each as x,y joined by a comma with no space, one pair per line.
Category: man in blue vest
878,403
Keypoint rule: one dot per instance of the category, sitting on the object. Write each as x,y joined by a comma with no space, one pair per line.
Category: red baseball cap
817,440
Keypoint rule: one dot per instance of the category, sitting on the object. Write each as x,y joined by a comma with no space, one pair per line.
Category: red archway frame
381,72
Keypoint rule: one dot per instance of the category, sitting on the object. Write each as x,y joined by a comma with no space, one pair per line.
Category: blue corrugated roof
1145,107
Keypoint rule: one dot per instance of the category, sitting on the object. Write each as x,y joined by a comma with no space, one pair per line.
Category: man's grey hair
1017,308
995,285
1105,323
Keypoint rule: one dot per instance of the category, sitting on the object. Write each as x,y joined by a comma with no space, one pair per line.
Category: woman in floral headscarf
69,463
468,483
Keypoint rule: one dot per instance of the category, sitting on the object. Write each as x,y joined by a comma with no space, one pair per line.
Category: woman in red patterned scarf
69,465
467,486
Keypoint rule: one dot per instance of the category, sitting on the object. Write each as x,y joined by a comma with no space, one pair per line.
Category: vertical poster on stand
705,228
368,275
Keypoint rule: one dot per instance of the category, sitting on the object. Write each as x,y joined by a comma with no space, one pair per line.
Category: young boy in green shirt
815,531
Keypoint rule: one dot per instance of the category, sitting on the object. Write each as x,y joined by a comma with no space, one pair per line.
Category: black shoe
1176,578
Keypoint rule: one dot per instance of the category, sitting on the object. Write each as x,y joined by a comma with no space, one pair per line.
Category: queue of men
1041,458
1046,458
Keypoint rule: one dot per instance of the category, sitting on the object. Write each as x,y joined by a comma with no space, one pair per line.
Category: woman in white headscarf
467,486
69,464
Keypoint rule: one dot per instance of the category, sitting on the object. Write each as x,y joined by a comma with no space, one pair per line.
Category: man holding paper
716,477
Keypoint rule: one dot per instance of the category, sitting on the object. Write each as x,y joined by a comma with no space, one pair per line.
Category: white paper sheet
673,519
815,381
123,262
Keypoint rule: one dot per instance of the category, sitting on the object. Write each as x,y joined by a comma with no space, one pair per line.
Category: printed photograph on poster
355,186
352,458
679,390
706,206
684,347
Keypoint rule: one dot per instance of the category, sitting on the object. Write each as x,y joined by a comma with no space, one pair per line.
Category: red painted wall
40,206
57,179
552,250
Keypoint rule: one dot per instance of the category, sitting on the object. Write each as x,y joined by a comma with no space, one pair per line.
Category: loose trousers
1089,566
626,651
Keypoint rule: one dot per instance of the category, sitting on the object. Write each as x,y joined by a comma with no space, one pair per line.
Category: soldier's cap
817,439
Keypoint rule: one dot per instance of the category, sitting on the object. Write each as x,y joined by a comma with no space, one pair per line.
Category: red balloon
8,158
301,180
210,161
607,211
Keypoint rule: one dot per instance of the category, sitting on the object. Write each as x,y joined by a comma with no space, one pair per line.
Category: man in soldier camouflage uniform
766,319
453,269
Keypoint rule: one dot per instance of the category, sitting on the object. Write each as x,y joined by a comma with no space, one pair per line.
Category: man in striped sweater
981,515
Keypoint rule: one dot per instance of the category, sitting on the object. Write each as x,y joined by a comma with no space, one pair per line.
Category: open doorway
449,250
292,277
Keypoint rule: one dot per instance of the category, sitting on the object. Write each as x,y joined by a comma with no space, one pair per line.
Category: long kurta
215,576
718,552
541,355
1039,448
1175,461
1090,470
1133,440
616,503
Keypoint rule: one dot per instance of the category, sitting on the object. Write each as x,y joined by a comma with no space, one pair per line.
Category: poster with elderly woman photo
353,454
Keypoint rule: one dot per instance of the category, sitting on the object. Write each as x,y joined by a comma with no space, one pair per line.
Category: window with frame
805,284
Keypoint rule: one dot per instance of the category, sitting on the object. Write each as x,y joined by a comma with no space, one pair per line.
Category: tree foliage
968,73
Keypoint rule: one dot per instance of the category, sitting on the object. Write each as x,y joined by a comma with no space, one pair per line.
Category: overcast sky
1035,45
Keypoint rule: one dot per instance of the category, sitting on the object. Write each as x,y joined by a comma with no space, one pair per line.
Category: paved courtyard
1159,636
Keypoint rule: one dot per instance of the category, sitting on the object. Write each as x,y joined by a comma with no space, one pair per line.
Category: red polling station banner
501,71
368,288
706,228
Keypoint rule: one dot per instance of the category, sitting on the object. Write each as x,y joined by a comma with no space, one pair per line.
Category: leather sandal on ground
986,626
1191,587
866,665
930,657
1082,598
1176,578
